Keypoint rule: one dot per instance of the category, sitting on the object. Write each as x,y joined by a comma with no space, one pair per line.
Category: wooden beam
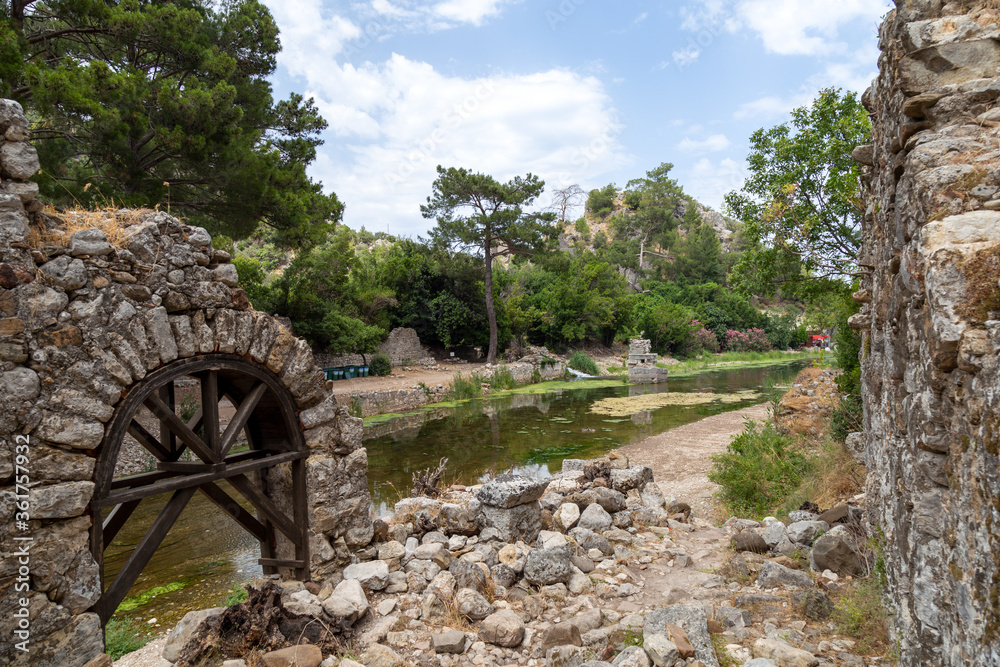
179,428
186,481
240,419
116,519
210,411
267,506
231,507
118,589
146,439
168,439
278,562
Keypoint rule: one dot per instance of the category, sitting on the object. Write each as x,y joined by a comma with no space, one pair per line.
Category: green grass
124,635
758,470
581,362
464,388
130,603
859,612
712,362
236,595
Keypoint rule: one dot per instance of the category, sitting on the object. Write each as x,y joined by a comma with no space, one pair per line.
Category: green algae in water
130,603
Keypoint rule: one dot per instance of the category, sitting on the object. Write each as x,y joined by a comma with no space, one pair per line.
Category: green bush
758,470
581,362
380,365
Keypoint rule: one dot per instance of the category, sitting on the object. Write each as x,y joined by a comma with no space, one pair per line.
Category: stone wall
89,304
931,326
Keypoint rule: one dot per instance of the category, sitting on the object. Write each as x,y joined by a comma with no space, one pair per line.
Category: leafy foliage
801,206
380,365
758,469
155,102
601,201
581,362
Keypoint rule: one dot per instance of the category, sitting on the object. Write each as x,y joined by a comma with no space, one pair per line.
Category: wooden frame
265,411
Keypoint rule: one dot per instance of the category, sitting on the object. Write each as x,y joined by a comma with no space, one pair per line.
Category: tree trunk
491,312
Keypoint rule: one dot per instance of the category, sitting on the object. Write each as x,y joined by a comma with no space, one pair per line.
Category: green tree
655,199
601,201
801,206
144,103
477,211
698,256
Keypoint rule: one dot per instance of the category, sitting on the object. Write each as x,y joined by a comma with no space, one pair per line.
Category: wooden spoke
227,504
267,506
169,440
116,519
210,412
179,428
118,589
240,419
145,438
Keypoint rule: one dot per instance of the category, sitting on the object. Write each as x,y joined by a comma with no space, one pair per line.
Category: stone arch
92,304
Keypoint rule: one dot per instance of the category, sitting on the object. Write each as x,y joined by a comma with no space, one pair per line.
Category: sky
584,92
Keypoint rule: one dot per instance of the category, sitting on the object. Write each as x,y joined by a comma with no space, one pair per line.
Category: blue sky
583,92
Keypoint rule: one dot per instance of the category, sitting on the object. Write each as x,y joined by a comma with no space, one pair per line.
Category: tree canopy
145,103
476,211
801,206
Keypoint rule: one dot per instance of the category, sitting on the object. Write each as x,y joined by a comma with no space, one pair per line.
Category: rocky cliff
931,326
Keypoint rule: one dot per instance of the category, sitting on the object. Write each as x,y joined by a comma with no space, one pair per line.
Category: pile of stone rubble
595,566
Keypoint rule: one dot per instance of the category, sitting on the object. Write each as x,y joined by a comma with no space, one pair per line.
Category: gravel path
681,457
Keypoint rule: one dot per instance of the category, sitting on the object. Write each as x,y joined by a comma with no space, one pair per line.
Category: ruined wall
931,326
89,304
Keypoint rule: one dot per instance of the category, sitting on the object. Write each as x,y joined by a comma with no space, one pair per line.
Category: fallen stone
561,634
595,518
835,552
783,653
631,656
748,541
379,655
373,575
804,532
693,620
348,601
184,630
503,628
507,491
303,655
472,604
452,641
548,566
566,516
660,650
773,575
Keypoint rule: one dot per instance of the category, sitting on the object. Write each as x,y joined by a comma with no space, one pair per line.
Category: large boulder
548,566
834,551
692,619
503,628
595,518
507,491
773,575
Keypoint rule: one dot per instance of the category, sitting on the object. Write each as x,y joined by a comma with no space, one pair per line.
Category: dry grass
834,476
112,221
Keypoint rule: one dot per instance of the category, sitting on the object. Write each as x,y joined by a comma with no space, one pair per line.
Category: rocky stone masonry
641,363
84,317
573,571
931,326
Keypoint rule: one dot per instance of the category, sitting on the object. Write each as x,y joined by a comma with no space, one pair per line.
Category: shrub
380,365
581,362
705,339
758,470
751,340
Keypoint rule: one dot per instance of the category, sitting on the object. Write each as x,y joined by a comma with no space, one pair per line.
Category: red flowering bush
751,340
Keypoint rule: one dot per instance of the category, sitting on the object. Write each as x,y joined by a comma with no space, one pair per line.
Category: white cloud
709,181
433,16
640,18
805,27
714,143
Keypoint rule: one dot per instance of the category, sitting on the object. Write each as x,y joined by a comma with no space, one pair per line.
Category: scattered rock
503,628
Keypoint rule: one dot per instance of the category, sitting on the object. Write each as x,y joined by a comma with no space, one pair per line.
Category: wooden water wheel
265,412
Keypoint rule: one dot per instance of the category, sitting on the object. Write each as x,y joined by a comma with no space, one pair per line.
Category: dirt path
681,457
404,379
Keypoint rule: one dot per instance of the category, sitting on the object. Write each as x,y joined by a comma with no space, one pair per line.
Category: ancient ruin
931,327
105,318
642,368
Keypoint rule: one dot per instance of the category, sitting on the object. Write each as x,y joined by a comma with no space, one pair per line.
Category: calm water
534,433
206,553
